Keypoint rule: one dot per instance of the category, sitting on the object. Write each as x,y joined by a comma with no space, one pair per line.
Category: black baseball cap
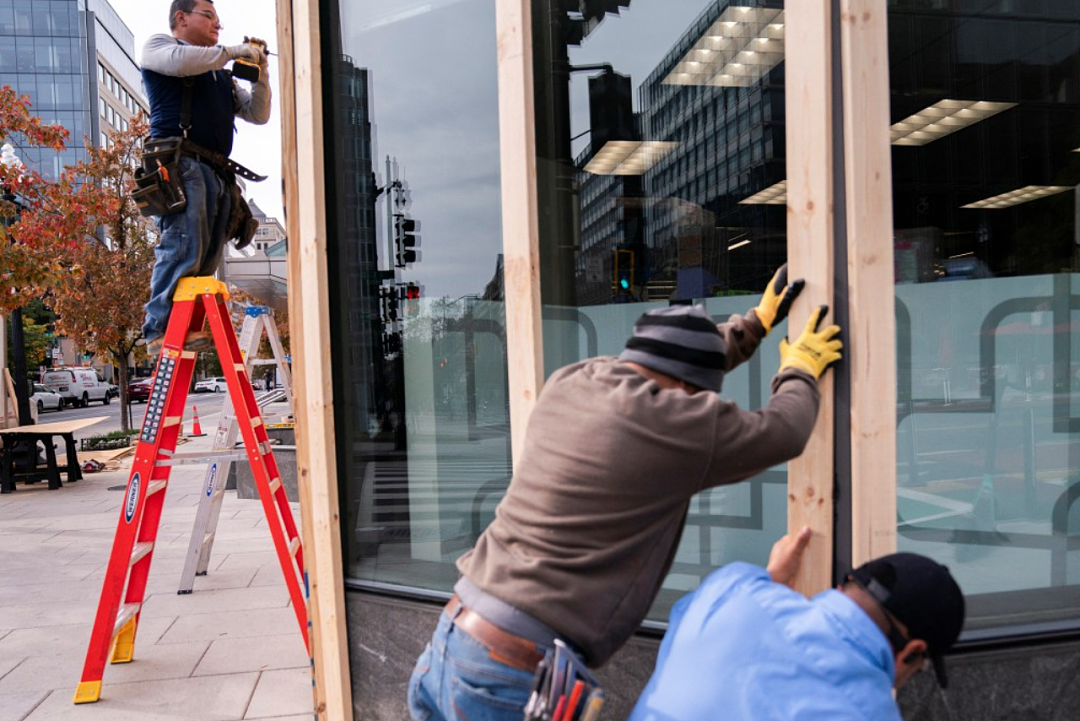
921,594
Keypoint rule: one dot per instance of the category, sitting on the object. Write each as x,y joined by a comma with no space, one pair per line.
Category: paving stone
282,693
256,653
213,626
17,706
152,663
208,698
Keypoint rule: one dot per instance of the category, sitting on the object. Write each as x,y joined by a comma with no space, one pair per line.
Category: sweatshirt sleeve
166,55
254,105
749,442
742,335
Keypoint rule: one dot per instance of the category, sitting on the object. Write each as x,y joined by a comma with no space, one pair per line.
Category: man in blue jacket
746,643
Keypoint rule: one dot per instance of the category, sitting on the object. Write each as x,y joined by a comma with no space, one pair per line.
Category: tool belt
160,184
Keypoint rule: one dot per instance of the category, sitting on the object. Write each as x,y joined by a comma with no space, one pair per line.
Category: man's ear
909,661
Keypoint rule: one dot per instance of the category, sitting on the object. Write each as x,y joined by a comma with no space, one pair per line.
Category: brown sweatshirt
590,523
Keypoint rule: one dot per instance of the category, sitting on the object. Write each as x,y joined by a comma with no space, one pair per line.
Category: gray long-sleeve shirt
167,55
590,523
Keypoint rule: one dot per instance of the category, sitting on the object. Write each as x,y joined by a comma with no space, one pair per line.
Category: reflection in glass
662,124
419,342
986,106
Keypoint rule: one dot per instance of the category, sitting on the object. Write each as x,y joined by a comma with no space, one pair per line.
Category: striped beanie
681,341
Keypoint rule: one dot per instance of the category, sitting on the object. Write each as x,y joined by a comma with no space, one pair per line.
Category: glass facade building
662,168
62,54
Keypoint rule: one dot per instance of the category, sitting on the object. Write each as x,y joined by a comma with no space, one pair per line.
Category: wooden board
305,210
871,352
58,427
521,234
810,225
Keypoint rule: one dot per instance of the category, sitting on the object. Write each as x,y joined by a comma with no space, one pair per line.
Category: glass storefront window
661,174
419,343
985,101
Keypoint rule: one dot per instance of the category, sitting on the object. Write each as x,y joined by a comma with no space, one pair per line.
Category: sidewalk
231,650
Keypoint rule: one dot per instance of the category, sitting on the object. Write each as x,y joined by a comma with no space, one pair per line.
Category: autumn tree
39,216
99,300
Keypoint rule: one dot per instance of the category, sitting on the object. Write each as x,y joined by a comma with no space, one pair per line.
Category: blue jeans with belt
192,241
456,679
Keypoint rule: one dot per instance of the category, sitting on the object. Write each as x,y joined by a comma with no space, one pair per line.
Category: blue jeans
192,241
455,679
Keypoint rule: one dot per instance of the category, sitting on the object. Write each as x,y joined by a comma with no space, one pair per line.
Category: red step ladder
196,300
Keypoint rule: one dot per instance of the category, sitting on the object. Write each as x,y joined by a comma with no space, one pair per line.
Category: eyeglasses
212,17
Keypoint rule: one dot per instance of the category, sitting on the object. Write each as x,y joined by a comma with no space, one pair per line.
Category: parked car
211,385
46,400
139,390
78,386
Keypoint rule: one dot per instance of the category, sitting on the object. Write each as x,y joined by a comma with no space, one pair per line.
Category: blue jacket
742,647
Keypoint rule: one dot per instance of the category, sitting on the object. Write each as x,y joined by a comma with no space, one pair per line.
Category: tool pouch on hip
159,185
242,225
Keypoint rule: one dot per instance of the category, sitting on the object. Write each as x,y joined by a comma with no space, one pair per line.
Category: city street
209,405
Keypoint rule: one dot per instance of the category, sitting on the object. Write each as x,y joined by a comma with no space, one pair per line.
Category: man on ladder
187,180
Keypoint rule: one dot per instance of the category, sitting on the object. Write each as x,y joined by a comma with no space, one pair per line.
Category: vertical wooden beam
521,246
309,327
871,352
810,222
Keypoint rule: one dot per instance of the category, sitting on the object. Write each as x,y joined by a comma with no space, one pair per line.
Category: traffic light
406,239
412,291
388,298
624,271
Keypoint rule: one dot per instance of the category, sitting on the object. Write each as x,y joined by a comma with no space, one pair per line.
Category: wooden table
44,432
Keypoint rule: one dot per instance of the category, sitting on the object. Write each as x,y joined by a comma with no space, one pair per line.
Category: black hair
181,6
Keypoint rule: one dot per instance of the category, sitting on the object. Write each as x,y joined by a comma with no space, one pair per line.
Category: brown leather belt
502,646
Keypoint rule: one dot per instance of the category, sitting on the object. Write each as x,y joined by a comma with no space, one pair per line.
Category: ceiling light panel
741,46
943,118
628,157
773,195
1016,197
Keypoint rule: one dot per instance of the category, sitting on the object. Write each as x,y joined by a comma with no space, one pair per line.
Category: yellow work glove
779,296
815,350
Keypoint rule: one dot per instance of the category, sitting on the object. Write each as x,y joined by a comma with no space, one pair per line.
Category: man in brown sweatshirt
614,451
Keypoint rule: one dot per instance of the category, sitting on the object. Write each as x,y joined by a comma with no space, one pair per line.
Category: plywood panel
305,203
871,356
521,258
810,256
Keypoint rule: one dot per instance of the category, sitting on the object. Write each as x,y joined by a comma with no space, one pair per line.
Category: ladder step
209,538
154,487
140,550
183,459
263,361
171,421
127,612
294,546
256,422
240,367
275,485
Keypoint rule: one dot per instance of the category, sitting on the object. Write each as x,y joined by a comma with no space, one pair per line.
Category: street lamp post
18,341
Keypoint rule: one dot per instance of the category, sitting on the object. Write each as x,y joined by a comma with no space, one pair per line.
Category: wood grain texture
521,246
305,203
871,354
810,223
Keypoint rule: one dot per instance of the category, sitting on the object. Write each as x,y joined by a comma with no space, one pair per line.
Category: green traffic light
624,284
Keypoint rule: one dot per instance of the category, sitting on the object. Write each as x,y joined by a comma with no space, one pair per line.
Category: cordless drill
247,69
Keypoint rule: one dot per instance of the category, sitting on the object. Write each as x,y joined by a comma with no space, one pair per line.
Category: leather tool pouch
242,225
159,185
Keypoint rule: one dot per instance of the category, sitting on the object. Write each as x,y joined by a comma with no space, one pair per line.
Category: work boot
195,341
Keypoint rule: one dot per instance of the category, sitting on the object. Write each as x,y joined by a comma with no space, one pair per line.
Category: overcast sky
257,146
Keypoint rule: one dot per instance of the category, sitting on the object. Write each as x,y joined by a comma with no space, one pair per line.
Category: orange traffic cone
196,429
